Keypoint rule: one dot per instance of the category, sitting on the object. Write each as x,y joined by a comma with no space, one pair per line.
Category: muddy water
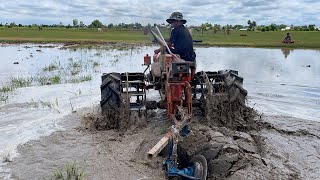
279,82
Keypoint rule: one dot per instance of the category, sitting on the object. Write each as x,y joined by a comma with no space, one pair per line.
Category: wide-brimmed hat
176,16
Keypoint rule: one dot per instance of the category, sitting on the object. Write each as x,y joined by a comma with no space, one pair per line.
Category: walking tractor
182,90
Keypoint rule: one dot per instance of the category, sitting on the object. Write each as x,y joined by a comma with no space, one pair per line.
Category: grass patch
96,64
6,89
17,82
74,64
43,80
85,78
303,39
75,67
51,67
82,78
55,79
71,172
46,80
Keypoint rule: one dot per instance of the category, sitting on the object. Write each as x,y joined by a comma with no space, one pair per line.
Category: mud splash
228,137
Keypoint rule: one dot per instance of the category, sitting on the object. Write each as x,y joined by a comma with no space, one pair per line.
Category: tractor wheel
234,87
110,92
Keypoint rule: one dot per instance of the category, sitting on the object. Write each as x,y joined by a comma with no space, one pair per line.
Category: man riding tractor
180,41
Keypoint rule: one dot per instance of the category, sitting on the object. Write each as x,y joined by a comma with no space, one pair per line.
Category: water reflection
286,52
267,76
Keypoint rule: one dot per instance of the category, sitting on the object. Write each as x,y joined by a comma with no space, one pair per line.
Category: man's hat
176,16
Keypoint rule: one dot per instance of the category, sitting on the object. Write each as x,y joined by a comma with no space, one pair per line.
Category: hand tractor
181,89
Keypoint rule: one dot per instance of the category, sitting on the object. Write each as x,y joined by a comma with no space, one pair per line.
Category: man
180,41
287,39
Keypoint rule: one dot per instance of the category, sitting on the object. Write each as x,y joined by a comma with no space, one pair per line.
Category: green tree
75,22
138,25
267,28
203,28
110,25
81,24
249,22
96,24
13,24
311,27
281,26
252,25
237,26
273,27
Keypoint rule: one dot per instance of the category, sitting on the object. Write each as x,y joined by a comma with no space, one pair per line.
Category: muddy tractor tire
110,92
233,86
224,85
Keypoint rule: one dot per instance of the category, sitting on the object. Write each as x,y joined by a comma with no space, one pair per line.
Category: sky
196,12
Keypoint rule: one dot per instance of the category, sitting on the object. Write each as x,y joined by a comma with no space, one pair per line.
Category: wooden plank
160,145
178,125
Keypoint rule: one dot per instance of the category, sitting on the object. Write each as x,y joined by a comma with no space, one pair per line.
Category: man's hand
156,51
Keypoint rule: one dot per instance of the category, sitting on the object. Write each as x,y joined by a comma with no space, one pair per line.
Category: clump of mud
229,112
121,120
228,138
228,152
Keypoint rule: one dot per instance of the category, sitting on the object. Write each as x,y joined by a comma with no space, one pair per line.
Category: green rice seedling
96,64
6,89
74,80
55,79
75,67
58,174
57,103
51,67
82,78
75,64
43,80
85,78
4,98
74,72
46,104
17,82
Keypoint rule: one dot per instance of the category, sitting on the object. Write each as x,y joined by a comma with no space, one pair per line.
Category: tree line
251,26
77,24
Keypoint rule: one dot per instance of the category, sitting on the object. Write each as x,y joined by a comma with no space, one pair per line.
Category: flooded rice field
40,85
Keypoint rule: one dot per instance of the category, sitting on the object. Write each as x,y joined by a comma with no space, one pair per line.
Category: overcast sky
196,12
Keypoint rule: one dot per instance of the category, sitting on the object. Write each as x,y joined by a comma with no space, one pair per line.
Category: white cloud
296,12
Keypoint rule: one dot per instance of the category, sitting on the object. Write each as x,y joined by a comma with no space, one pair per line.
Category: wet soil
281,148
100,154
